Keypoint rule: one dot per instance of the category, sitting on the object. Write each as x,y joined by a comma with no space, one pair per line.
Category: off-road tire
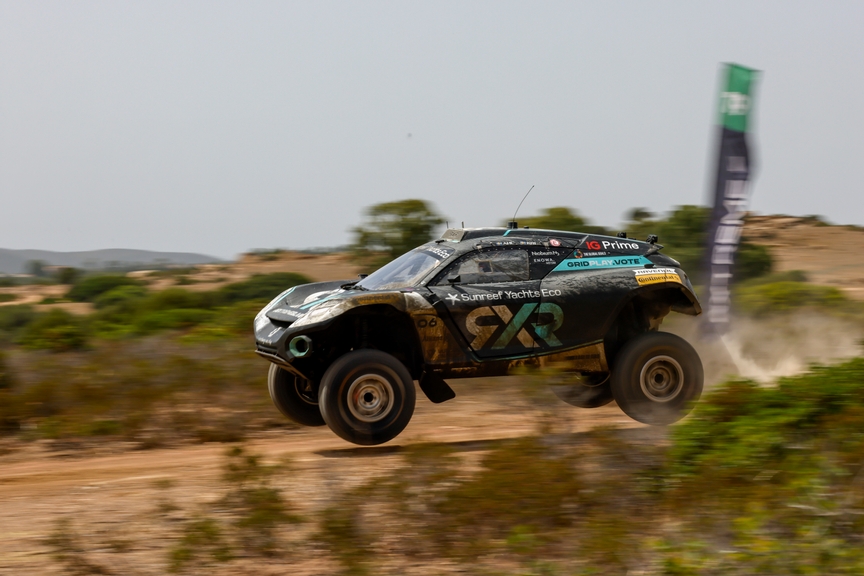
577,391
367,397
294,397
656,378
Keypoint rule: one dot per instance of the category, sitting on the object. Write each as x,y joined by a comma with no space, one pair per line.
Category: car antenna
512,225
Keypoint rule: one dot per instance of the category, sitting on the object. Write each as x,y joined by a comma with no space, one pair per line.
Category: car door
493,301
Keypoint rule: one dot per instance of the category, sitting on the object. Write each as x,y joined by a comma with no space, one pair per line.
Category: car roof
462,234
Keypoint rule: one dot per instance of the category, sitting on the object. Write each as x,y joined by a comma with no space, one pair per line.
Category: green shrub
752,261
121,296
13,319
262,287
178,298
145,390
91,287
521,484
785,296
56,330
202,538
148,322
741,428
67,275
8,297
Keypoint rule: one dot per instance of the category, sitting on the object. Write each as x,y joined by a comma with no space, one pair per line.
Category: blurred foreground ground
109,505
128,506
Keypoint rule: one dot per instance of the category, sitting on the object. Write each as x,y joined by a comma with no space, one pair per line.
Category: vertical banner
731,193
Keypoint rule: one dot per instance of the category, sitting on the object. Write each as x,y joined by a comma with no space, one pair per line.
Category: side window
487,267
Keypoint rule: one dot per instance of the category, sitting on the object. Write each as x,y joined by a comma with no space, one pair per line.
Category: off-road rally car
484,302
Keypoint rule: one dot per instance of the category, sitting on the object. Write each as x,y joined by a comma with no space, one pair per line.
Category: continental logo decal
487,321
656,276
572,264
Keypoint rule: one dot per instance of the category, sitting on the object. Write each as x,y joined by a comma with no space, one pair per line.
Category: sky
219,127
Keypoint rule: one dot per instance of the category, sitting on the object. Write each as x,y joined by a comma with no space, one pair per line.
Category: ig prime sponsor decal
485,322
599,244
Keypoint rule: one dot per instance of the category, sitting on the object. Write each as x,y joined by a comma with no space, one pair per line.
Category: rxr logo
483,322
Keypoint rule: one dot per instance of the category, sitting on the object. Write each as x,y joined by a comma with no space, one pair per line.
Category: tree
393,228
561,218
36,268
67,275
684,232
639,214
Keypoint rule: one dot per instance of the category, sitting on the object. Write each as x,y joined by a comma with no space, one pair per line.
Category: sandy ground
830,255
114,500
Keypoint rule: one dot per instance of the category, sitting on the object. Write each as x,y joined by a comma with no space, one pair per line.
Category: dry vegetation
146,444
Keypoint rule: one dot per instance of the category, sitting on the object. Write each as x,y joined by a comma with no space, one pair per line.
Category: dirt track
114,500
127,516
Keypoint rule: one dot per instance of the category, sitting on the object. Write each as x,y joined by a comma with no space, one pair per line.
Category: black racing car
482,302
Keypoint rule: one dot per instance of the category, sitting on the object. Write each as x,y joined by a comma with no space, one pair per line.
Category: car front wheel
295,397
367,397
656,378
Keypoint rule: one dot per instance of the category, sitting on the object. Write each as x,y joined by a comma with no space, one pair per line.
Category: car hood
298,301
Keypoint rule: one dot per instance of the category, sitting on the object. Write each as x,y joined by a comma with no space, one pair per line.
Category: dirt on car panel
590,358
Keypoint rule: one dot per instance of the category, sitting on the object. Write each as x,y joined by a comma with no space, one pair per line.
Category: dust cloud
765,349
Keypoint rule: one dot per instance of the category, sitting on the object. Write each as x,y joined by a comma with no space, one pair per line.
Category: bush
91,287
67,275
148,322
178,298
56,330
684,233
145,390
752,261
788,295
262,287
13,319
121,296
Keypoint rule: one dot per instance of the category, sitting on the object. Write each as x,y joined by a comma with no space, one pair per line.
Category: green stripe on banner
735,100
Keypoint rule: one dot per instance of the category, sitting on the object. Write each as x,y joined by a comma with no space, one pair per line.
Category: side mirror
362,276
455,279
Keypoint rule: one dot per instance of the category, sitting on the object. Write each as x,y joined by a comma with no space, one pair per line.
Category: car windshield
403,272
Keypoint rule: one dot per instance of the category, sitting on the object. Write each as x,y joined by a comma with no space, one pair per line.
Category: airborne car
483,302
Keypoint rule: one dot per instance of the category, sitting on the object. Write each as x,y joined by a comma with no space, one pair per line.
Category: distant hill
15,261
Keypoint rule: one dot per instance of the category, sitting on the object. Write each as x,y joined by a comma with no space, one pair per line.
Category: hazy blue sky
218,127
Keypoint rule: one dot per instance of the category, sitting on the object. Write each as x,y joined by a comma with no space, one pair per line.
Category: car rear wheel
656,378
367,397
584,390
295,397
